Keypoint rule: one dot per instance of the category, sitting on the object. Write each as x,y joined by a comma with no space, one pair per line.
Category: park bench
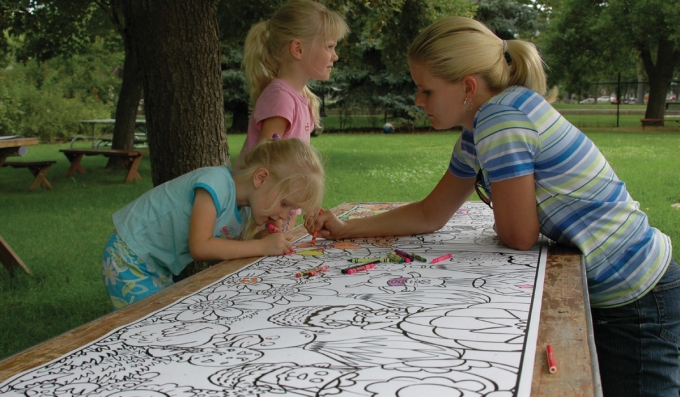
131,159
38,169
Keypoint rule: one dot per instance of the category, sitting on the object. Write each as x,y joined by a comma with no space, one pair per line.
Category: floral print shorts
127,278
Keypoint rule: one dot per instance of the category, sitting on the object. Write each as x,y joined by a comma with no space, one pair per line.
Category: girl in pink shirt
280,56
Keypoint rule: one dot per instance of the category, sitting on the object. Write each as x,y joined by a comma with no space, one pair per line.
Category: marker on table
316,231
552,365
355,269
442,258
273,229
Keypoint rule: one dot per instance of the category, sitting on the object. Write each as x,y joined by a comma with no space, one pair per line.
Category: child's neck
294,77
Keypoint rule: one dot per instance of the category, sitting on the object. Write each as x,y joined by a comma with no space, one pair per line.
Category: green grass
60,234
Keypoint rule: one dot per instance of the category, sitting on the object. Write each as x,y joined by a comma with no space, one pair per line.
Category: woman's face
441,100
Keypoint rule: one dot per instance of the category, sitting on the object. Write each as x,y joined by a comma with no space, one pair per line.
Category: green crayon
395,258
366,260
418,257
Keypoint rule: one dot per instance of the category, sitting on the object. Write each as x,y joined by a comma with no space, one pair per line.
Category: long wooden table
564,323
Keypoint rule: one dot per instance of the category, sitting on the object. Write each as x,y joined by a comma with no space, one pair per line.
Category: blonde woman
546,177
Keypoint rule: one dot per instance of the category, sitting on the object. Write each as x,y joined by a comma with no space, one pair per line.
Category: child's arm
273,125
205,247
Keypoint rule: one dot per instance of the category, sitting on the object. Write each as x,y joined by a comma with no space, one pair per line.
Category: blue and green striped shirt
580,200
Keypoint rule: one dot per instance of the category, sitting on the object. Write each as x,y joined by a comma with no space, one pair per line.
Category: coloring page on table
466,326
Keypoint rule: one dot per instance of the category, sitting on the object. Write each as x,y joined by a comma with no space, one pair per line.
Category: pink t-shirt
279,99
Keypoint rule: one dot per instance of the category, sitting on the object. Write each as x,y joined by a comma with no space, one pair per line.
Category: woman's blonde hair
295,167
455,47
267,41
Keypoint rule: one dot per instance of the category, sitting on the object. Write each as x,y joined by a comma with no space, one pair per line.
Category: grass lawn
60,234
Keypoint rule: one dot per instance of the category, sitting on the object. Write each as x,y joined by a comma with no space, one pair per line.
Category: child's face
265,207
440,99
320,56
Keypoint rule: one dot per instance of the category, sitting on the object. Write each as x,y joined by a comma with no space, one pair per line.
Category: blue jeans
638,344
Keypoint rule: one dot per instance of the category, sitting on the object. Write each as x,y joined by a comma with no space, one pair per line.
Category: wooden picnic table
131,159
103,139
10,145
564,323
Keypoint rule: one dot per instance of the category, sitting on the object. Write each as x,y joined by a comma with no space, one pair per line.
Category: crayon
354,269
316,231
312,271
442,258
366,260
418,257
405,254
395,258
552,365
317,270
405,258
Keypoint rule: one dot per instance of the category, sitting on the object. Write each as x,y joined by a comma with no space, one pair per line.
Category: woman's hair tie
276,137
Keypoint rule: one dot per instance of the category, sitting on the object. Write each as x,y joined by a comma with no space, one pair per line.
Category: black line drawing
466,326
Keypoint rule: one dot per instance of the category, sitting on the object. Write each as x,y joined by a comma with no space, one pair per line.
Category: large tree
587,36
177,42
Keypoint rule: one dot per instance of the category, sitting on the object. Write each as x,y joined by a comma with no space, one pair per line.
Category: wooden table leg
132,164
40,174
10,259
75,163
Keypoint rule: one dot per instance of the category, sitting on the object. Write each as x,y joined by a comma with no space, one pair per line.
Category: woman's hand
326,224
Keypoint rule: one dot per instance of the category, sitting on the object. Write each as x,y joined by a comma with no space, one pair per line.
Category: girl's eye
284,204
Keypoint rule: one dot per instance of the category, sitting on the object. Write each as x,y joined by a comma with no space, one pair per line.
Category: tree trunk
177,45
130,91
128,101
660,76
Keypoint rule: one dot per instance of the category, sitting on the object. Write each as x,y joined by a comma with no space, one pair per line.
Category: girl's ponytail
259,65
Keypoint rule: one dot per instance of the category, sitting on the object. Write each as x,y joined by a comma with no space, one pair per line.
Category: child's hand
277,243
326,223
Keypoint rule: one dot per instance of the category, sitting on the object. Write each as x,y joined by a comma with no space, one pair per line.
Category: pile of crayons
399,256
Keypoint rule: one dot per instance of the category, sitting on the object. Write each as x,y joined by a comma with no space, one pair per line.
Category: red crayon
317,270
442,258
358,268
552,365
404,257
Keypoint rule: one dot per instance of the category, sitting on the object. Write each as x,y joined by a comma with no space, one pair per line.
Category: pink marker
442,258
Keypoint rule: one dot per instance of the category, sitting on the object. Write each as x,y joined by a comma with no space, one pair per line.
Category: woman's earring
465,103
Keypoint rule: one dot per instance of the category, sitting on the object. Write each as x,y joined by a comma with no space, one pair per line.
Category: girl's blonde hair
295,167
267,41
455,47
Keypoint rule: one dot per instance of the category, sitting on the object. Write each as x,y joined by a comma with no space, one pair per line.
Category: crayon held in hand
442,258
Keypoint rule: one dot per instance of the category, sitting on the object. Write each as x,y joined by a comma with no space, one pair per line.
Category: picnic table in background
105,139
17,146
131,159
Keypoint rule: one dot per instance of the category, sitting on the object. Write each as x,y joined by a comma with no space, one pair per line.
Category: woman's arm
424,216
205,247
515,213
273,125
